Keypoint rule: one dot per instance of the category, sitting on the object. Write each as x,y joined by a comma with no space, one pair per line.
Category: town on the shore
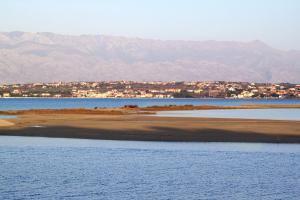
157,89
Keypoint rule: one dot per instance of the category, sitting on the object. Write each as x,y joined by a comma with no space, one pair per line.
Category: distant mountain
47,57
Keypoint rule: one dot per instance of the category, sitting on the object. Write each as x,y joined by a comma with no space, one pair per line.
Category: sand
5,123
141,127
133,123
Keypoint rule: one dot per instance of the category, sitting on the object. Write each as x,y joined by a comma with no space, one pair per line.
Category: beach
137,124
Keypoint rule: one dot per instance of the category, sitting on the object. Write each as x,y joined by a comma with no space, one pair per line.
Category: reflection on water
274,114
44,168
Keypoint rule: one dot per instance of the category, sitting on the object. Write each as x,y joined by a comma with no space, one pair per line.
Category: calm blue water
7,117
31,103
44,168
274,114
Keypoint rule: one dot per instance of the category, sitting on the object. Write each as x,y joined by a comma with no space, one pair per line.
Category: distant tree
183,94
274,95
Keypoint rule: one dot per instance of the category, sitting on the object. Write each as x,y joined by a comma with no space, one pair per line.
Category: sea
52,103
57,168
268,114
49,168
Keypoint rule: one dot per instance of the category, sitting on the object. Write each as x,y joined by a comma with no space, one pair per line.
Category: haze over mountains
47,57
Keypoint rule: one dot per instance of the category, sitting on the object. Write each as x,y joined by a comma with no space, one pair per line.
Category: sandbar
143,127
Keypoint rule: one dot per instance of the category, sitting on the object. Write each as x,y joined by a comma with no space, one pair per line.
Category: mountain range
47,57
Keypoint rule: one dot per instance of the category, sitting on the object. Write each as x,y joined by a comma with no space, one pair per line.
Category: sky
276,22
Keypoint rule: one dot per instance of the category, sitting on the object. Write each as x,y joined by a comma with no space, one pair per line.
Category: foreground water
44,168
40,103
273,114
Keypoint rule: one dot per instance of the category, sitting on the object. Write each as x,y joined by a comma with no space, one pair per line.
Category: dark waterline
40,103
44,168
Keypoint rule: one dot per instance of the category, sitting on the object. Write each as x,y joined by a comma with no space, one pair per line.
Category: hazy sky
276,22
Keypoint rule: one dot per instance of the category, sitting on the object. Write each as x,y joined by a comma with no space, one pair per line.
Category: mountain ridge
48,57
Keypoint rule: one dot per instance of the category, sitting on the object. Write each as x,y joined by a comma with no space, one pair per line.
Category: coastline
135,124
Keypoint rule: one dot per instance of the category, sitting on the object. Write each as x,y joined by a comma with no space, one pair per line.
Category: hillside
47,57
